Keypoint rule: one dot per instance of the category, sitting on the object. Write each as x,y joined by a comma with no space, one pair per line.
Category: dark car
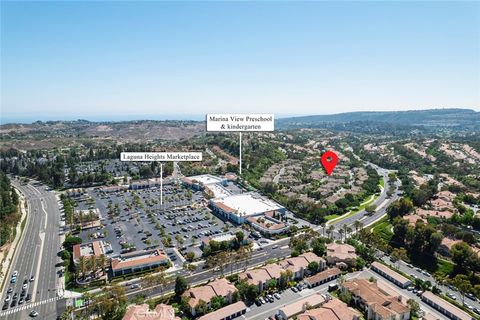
28,297
14,303
10,290
5,306
15,296
258,303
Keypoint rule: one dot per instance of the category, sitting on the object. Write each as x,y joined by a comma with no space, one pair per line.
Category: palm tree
148,281
93,261
341,234
349,231
161,280
345,227
323,225
360,224
88,299
356,225
82,265
102,260
330,230
248,254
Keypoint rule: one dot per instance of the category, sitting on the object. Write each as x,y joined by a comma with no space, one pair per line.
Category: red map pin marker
329,161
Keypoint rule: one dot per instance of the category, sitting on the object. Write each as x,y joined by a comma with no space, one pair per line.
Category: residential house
377,303
323,277
445,307
334,309
229,312
205,293
391,275
143,312
294,309
341,253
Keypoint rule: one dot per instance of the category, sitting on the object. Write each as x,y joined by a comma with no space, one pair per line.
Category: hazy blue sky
62,59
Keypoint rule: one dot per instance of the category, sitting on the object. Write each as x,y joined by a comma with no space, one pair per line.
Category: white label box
161,156
226,122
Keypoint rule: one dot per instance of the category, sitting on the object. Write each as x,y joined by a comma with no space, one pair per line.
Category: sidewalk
6,260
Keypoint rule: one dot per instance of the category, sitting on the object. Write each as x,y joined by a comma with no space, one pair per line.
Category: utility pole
161,184
240,162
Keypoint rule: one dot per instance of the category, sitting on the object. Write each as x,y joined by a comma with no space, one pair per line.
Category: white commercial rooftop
248,204
207,179
218,190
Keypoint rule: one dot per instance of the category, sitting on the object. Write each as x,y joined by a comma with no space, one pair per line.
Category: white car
451,296
7,298
15,273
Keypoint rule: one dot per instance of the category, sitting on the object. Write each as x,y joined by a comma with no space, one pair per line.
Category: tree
356,225
181,285
318,247
464,257
240,236
190,256
414,307
313,266
330,231
285,277
70,241
463,284
148,281
93,263
247,292
161,280
270,285
218,302
399,254
102,260
370,209
345,297
111,304
399,207
82,265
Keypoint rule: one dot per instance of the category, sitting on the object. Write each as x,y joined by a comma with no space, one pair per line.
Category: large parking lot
135,220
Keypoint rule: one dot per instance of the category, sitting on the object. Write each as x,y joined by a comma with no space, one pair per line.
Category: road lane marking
28,306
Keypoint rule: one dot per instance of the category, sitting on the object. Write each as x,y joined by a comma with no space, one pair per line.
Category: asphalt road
36,255
382,203
200,275
288,297
403,267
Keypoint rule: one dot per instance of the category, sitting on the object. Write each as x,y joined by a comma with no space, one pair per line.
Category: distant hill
456,119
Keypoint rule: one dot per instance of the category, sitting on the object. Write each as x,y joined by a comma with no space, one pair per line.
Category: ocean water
30,118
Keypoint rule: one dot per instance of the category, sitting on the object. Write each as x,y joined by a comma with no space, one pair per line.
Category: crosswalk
28,306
